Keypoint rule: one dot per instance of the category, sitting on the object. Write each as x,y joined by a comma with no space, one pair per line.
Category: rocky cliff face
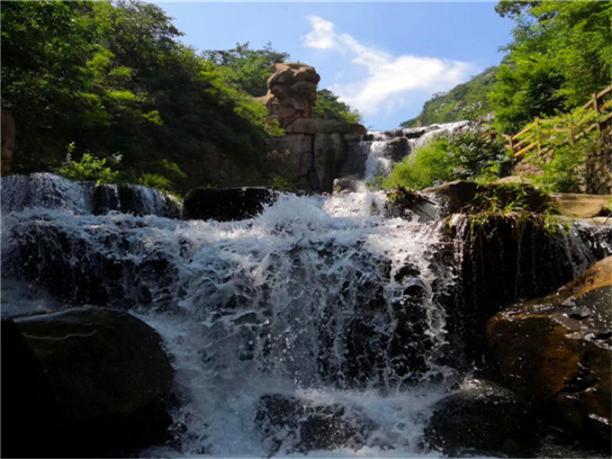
314,152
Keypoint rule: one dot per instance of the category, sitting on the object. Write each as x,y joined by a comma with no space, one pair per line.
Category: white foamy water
303,300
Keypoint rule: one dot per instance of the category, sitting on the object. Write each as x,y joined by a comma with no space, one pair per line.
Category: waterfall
54,192
319,301
384,148
320,298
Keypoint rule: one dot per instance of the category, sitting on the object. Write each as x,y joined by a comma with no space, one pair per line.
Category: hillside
450,106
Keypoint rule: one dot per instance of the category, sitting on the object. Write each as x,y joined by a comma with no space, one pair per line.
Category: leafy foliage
327,106
113,78
560,56
564,145
246,69
90,168
467,154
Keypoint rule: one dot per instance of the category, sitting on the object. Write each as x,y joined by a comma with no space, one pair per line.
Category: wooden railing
528,139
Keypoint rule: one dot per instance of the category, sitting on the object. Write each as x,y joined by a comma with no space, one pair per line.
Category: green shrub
155,181
467,154
280,183
89,168
429,164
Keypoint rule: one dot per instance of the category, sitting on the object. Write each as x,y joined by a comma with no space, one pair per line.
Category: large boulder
105,382
292,90
226,204
289,424
463,195
583,205
557,351
483,418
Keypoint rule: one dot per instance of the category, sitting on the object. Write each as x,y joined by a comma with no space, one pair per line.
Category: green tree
561,54
327,106
245,68
113,78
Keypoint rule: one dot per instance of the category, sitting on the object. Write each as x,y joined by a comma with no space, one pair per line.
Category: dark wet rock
226,204
134,199
398,148
557,351
49,191
502,259
346,185
408,204
481,418
102,380
289,424
29,409
142,200
78,263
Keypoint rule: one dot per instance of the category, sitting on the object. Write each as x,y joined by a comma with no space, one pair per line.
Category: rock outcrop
288,425
102,381
557,351
226,204
483,418
292,90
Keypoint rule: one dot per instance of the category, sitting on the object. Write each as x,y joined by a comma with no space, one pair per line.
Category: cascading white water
304,300
54,192
377,163
385,148
319,299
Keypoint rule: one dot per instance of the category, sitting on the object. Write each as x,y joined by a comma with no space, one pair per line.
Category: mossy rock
463,196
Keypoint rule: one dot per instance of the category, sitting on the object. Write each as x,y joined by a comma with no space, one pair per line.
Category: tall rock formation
292,90
313,152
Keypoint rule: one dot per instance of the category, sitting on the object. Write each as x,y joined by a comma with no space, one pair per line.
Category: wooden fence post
536,123
597,110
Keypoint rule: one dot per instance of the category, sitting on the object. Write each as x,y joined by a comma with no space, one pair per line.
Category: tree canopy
113,78
560,55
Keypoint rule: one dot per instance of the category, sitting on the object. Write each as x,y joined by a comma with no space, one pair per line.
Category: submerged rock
105,380
289,424
557,351
226,204
481,418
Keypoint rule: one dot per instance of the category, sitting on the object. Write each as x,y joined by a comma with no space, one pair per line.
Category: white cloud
390,79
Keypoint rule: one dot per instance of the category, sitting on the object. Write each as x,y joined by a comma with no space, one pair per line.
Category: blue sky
385,59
